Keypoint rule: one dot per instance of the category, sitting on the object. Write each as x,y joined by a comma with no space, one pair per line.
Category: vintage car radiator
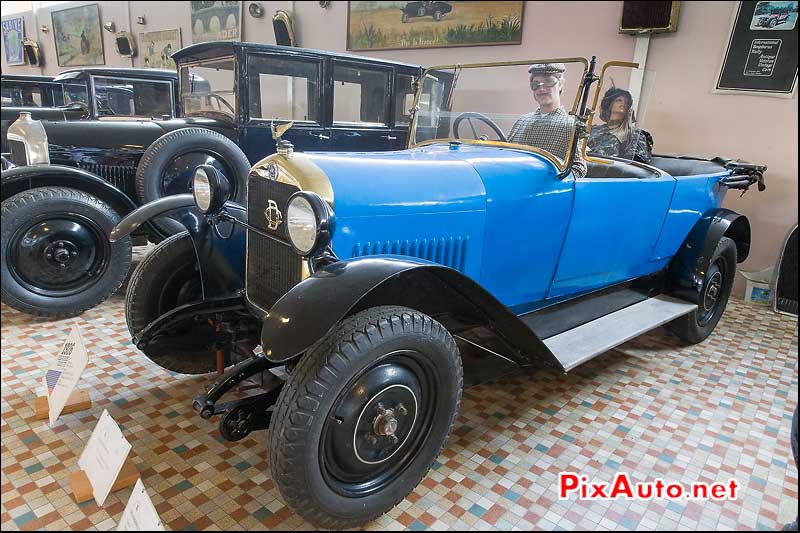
273,267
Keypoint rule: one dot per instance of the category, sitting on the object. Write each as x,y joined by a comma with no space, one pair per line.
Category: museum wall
681,112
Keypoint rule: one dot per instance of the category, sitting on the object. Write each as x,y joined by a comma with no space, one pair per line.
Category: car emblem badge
272,171
274,216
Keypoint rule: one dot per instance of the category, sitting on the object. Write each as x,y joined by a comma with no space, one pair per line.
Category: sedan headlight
310,222
210,189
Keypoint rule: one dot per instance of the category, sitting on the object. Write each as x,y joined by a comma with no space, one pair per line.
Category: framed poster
157,48
13,34
78,36
403,25
216,21
762,51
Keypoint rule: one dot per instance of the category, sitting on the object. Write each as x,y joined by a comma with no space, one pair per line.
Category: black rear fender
687,269
312,308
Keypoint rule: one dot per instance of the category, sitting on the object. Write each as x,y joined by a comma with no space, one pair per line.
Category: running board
580,344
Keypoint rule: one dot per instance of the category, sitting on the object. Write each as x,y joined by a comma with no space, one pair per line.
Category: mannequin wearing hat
618,137
550,127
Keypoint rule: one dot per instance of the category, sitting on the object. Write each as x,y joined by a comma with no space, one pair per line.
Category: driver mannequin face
546,91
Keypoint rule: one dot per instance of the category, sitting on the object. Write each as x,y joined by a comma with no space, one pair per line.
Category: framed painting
157,48
401,25
78,36
13,34
216,21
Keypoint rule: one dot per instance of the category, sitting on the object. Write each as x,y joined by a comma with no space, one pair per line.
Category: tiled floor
651,408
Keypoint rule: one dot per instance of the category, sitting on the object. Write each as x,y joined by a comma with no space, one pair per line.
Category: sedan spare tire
167,166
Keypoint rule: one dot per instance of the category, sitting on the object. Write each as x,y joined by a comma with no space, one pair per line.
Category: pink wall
681,112
685,117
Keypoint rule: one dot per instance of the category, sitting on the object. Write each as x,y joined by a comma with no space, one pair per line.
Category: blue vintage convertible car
381,283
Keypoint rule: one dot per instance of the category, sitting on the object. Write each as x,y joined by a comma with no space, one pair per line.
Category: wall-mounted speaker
649,17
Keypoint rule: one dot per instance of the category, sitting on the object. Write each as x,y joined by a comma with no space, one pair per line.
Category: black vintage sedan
76,180
437,10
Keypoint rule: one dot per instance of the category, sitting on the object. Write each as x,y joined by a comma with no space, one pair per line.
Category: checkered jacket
550,132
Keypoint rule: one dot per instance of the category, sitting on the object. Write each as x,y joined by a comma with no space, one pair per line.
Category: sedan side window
360,95
132,98
283,89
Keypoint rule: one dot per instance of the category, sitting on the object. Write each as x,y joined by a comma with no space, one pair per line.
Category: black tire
380,349
47,227
420,11
404,18
165,279
437,16
697,326
167,165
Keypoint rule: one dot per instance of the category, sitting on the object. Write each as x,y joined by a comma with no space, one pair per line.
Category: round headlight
201,189
211,189
309,222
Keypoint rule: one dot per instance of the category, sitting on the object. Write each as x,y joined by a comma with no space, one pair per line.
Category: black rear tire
697,326
168,164
316,438
57,260
165,279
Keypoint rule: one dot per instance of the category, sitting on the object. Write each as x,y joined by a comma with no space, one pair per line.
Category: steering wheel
220,99
104,107
468,116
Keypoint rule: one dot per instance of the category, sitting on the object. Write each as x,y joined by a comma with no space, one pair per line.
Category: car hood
428,179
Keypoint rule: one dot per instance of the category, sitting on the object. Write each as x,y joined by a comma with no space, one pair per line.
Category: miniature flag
51,378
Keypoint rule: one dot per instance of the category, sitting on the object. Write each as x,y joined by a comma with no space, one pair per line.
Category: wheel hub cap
712,291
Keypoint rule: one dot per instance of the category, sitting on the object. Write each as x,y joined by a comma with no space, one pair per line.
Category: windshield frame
205,61
561,165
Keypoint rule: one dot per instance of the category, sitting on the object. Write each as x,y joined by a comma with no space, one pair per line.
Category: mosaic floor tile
651,408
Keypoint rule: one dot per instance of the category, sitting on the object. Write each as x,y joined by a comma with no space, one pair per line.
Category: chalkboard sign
762,51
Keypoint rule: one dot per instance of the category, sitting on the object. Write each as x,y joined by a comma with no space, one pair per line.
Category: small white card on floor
104,456
139,514
61,379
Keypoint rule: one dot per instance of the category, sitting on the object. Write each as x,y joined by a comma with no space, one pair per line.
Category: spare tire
167,166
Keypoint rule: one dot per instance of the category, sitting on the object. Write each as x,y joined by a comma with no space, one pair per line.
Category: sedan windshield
208,89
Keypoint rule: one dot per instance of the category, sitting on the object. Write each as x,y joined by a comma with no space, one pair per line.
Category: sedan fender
306,313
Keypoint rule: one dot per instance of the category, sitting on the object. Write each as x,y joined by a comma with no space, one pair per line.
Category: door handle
391,138
322,136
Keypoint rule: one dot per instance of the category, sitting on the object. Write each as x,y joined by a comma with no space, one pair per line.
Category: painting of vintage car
377,285
437,10
374,25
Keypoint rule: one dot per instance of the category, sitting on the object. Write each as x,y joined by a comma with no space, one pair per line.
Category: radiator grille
448,251
272,265
119,176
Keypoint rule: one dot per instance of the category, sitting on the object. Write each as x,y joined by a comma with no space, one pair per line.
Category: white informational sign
61,379
104,456
139,514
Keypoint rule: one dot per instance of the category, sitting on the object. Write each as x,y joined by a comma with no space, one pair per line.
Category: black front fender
688,268
315,306
219,244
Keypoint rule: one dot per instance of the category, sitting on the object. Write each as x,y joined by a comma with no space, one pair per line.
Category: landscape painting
377,25
78,36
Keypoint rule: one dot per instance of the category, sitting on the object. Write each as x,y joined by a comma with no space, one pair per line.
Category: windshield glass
76,92
617,129
525,104
208,89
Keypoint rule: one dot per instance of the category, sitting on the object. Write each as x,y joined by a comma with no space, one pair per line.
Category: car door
360,114
614,227
282,89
